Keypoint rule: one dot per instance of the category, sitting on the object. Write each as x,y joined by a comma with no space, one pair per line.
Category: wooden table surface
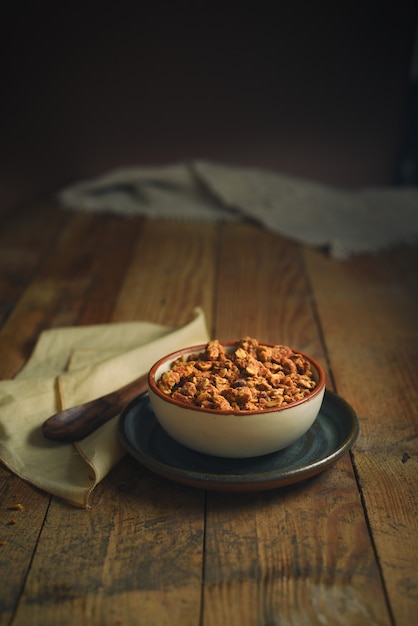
339,548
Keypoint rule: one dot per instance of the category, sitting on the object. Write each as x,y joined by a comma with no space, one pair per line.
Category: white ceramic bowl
233,434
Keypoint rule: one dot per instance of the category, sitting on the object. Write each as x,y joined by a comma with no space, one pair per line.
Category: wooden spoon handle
78,422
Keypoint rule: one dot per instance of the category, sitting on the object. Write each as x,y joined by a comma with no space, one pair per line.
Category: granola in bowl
236,399
246,376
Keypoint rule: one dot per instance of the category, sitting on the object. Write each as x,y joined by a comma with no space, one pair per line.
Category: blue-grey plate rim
332,435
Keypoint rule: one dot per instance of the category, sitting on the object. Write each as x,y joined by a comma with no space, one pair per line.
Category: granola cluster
250,377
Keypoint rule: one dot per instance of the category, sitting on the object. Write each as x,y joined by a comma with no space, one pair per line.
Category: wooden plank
26,237
369,311
77,282
19,531
138,550
298,555
263,290
184,274
134,557
112,257
301,554
79,261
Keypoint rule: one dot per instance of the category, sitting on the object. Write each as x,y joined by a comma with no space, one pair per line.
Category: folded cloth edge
345,222
86,452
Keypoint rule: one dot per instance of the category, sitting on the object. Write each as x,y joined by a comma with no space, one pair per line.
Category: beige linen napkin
70,366
345,222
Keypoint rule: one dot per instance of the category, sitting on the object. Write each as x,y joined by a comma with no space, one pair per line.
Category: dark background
314,89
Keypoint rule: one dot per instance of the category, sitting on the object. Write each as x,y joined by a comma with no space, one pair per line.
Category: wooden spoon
78,422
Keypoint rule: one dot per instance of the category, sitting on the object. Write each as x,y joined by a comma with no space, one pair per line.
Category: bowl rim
172,356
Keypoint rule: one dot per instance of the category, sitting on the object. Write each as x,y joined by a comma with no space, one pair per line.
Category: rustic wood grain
143,537
134,558
25,239
340,548
302,554
262,290
19,533
44,303
112,257
172,271
72,278
369,320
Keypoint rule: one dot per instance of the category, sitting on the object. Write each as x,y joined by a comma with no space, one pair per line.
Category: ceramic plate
332,435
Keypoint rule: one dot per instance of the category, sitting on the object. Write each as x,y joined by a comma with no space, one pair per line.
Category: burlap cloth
345,222
70,366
